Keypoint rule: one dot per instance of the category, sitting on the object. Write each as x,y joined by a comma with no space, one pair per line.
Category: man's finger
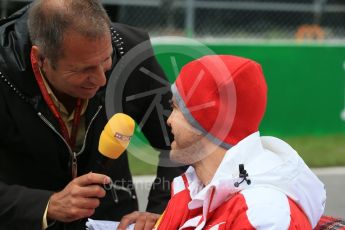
140,222
82,213
151,220
127,220
87,203
92,178
89,191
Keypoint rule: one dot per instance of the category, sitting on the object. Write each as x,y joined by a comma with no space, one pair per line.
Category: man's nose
98,78
169,121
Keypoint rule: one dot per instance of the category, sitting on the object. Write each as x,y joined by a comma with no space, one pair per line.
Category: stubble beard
189,154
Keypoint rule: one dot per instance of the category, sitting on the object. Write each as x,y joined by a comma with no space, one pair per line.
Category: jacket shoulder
15,16
267,207
15,43
131,35
258,208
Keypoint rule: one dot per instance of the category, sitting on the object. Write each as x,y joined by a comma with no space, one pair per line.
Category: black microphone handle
102,164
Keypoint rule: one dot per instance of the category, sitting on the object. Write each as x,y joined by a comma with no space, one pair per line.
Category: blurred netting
240,19
229,19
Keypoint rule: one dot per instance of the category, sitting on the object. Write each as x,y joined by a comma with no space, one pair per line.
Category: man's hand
78,199
142,220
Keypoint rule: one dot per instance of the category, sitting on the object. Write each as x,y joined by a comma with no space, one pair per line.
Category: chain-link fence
264,19
229,19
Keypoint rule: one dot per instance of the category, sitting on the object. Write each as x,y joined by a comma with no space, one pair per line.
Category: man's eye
88,69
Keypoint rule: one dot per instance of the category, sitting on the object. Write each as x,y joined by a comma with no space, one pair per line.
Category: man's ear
35,50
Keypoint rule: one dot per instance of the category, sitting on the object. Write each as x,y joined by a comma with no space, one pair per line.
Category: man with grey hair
55,59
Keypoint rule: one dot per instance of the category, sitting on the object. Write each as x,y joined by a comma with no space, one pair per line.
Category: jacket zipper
73,155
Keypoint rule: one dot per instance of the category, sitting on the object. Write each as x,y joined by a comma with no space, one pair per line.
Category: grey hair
49,19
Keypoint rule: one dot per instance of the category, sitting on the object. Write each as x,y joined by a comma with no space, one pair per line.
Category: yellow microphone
114,140
116,135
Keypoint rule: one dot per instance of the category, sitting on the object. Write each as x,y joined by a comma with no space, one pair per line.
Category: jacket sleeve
146,98
21,207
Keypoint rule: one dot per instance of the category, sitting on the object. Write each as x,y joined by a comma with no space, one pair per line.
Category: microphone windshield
116,135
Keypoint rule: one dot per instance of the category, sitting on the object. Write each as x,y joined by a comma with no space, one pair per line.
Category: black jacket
34,159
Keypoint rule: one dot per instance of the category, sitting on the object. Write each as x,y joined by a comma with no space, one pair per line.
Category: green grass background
306,94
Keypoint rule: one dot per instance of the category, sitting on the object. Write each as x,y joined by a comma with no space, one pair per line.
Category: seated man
237,179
